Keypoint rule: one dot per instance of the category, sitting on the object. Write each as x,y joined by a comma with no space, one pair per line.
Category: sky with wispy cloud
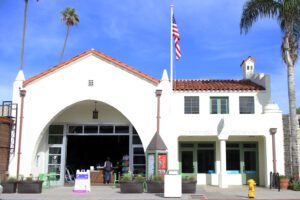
137,32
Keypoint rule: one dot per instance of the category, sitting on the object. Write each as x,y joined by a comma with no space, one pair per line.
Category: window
246,105
219,105
56,134
206,158
191,105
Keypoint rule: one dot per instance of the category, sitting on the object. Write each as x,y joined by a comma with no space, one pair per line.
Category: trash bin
172,184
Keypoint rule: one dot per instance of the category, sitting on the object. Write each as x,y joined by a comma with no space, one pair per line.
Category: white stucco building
218,130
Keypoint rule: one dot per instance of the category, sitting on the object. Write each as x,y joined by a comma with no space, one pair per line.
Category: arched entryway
77,140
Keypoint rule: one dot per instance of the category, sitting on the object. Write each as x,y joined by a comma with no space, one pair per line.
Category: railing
10,110
274,181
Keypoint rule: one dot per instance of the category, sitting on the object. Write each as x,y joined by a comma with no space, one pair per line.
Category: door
250,166
187,162
55,164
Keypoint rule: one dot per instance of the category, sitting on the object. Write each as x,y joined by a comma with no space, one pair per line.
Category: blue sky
137,32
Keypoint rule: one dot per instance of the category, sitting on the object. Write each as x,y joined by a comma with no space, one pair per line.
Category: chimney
248,67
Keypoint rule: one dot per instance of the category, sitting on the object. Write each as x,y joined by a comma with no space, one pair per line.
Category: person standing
107,170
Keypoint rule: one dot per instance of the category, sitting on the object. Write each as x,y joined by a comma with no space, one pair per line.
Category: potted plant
294,185
9,185
283,182
29,185
189,184
129,184
155,184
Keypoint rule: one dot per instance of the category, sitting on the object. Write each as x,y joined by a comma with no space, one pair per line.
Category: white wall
65,97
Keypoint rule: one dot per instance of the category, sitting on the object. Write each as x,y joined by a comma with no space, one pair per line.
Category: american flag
176,38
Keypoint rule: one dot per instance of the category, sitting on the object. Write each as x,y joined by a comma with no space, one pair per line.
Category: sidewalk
110,193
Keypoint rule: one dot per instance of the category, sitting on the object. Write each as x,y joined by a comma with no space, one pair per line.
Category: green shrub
295,185
189,178
11,179
283,177
126,177
139,179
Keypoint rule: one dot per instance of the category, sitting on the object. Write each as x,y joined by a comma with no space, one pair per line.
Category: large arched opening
76,139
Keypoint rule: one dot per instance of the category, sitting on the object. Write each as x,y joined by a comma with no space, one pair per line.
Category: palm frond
255,9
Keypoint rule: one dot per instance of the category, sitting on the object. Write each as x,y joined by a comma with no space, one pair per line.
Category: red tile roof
184,85
101,55
249,58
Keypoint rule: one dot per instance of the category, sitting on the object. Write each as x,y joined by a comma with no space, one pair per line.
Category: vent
91,83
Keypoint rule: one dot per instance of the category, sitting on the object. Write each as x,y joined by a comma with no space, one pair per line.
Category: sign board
82,181
151,165
162,164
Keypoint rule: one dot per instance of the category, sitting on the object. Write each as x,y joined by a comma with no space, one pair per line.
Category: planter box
30,187
131,187
188,186
155,187
9,187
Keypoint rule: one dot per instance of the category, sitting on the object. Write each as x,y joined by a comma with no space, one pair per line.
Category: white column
223,175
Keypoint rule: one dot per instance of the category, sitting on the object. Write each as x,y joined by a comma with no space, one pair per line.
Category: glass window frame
245,105
217,103
191,105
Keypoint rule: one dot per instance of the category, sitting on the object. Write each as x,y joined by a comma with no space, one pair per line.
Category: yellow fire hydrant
251,192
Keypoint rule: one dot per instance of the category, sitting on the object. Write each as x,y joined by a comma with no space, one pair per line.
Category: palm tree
23,34
287,14
70,18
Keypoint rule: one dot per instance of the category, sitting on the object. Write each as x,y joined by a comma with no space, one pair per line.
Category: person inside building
107,170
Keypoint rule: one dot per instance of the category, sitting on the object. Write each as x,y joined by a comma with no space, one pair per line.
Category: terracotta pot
155,187
131,187
284,183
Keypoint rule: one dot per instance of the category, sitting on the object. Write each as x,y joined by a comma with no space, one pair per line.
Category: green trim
219,103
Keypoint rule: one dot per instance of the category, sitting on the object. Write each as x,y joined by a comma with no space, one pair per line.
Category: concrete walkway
110,193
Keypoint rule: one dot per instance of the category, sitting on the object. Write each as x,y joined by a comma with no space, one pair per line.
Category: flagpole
171,49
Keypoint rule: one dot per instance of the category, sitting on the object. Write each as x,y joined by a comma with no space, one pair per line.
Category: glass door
187,162
249,162
54,163
250,166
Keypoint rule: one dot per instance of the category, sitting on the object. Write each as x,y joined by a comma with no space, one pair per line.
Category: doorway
86,151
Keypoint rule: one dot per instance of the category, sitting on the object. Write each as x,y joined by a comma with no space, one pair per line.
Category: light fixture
95,112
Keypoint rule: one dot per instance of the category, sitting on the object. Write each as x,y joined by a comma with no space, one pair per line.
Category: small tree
298,111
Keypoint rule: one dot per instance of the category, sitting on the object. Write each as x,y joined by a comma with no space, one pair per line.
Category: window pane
54,159
139,150
250,145
106,129
122,129
75,129
187,162
54,168
246,105
214,106
250,160
139,169
191,105
136,140
139,159
233,159
206,145
232,145
187,145
54,150
53,139
90,129
56,129
206,161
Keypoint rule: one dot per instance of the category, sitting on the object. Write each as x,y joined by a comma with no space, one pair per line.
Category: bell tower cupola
248,67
